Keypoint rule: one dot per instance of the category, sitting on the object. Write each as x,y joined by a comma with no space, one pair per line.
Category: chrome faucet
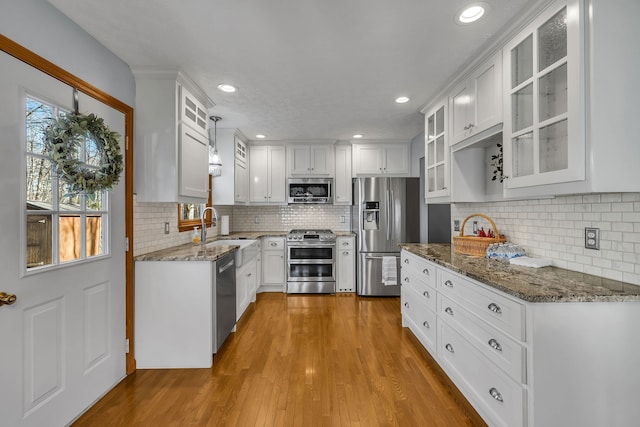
203,230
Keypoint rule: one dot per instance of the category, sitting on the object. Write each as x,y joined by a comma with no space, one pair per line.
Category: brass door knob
7,299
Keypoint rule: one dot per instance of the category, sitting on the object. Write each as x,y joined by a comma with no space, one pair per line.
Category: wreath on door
64,137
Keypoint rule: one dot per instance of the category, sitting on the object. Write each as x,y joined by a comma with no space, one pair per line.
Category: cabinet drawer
499,311
421,320
345,243
499,399
507,354
273,243
422,269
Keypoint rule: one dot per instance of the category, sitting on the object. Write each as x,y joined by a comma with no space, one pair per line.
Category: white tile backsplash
284,218
554,229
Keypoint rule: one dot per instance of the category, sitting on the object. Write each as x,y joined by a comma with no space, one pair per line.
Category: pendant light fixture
215,165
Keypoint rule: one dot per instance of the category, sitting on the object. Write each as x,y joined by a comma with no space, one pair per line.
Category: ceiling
305,69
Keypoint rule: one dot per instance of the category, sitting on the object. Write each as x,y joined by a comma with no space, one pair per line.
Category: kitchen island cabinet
527,347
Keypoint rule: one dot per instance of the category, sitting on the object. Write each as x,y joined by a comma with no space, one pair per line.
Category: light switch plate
456,225
592,238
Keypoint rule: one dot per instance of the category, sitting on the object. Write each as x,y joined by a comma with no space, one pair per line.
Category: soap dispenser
195,235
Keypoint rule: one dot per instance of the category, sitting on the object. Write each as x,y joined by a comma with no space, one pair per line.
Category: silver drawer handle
449,348
495,344
426,324
426,271
406,279
406,261
495,308
449,311
345,253
426,294
345,243
496,394
448,283
406,304
273,244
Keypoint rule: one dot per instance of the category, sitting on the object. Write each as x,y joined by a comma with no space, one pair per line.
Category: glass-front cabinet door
436,152
544,139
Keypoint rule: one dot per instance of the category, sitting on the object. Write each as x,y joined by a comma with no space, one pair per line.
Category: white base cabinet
521,363
345,264
273,265
246,286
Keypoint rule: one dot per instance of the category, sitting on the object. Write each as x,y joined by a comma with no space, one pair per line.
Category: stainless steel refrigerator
385,213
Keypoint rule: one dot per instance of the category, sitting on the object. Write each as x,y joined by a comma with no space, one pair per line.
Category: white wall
38,26
554,229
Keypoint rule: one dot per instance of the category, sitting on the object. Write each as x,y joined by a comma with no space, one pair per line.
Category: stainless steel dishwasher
224,299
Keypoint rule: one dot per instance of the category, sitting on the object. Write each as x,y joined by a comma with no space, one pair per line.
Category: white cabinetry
418,299
267,174
346,264
383,159
342,182
273,264
171,139
310,160
544,100
231,187
436,146
476,103
246,286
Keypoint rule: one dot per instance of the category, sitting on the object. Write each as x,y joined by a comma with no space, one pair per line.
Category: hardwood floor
298,360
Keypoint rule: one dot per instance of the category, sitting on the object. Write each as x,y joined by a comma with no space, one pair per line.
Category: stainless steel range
311,262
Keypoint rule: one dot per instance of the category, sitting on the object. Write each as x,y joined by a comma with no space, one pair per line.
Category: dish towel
389,271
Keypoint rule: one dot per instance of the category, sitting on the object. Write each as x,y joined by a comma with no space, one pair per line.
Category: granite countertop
546,284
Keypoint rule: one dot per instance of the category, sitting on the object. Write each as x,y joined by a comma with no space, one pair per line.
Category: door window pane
523,154
552,40
522,102
39,183
94,237
554,147
70,231
39,240
552,89
522,62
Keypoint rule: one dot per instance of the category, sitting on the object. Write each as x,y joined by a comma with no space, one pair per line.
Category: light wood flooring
298,360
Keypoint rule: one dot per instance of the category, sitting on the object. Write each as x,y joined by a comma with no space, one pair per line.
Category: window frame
56,212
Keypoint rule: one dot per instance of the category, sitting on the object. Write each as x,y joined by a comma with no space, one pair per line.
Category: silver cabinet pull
448,283
449,348
345,243
426,294
495,345
426,324
273,244
426,271
449,311
406,279
495,308
406,261
406,304
345,253
496,394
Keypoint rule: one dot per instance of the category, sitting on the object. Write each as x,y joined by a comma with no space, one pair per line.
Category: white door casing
63,340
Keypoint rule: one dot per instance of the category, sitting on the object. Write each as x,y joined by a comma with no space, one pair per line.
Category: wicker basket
476,246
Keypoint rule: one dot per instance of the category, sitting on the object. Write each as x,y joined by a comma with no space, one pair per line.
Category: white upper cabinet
384,159
267,174
310,160
171,140
231,186
436,146
476,103
544,100
342,183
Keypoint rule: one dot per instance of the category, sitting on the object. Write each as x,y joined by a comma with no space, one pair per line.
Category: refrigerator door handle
392,216
378,257
388,215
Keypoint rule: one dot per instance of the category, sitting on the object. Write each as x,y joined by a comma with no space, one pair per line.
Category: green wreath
64,136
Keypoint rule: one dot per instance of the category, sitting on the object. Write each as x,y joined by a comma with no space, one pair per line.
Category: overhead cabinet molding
171,138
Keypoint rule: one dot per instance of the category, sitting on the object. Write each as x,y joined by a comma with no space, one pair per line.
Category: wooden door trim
36,61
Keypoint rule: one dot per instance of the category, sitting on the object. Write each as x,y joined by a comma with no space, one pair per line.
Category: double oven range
311,261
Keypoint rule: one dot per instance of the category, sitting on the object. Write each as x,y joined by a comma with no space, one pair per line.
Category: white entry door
62,343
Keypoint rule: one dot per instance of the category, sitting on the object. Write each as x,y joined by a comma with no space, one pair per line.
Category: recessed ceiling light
261,136
225,87
402,99
358,135
471,13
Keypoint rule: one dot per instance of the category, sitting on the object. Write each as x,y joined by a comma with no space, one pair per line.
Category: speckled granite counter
546,284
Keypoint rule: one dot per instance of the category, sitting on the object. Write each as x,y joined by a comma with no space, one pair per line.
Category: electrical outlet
342,219
256,220
166,228
456,225
592,238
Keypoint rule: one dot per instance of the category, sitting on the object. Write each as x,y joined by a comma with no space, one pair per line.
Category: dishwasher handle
227,266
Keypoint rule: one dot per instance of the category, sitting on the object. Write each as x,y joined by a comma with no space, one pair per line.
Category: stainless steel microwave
310,190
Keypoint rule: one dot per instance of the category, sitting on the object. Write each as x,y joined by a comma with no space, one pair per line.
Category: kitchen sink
248,249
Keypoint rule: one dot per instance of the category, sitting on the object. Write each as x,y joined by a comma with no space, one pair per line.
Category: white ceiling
306,69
